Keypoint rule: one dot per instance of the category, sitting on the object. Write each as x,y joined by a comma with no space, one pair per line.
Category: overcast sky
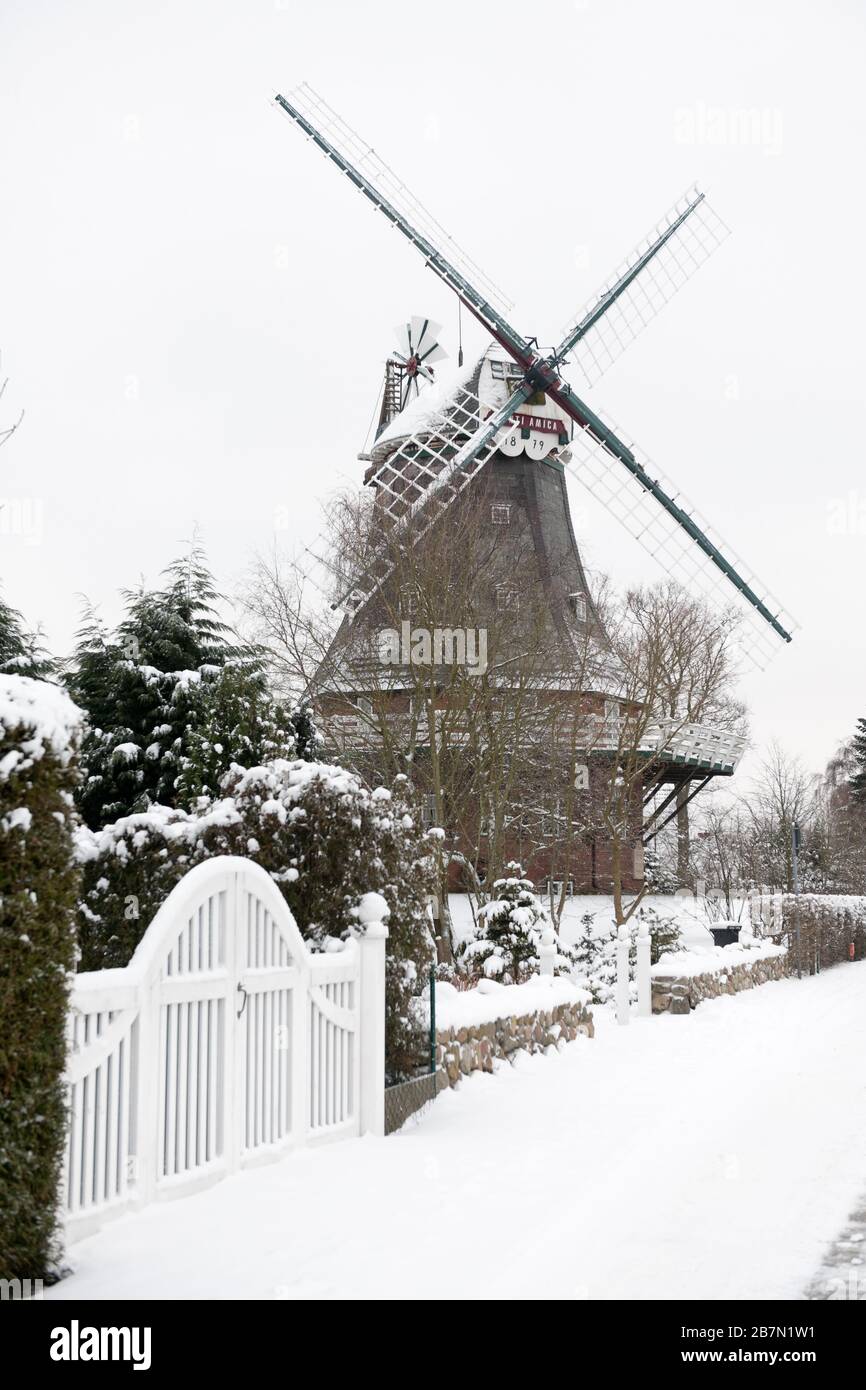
196,308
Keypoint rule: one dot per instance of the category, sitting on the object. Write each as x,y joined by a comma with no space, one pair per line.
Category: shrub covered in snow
38,889
595,950
666,933
129,869
324,838
595,957
505,943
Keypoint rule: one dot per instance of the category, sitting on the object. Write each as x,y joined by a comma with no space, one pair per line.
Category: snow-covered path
707,1157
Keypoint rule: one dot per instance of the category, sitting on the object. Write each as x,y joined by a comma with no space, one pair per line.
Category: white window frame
410,595
507,598
578,605
500,513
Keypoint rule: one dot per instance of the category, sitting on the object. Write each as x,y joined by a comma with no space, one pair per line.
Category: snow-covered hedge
38,888
819,929
323,837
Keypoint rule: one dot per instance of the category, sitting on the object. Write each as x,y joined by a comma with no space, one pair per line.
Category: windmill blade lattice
685,238
419,481
664,538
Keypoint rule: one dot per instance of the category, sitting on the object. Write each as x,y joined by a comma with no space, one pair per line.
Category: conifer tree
858,745
173,699
510,927
21,651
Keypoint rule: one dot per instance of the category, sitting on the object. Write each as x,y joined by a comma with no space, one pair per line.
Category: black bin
725,936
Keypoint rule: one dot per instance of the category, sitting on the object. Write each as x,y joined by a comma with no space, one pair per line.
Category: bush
38,890
129,869
324,838
666,935
504,944
595,952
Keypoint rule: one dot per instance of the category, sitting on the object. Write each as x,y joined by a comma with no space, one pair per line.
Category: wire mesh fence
409,1098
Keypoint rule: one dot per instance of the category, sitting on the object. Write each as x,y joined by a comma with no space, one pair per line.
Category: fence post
147,1097
644,980
547,952
371,935
622,975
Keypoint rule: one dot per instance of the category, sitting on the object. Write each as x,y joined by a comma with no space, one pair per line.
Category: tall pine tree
858,745
173,699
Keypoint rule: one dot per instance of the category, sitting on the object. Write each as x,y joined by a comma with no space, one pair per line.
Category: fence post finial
547,952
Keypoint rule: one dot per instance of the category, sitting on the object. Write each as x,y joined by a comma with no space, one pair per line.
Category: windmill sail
639,288
664,537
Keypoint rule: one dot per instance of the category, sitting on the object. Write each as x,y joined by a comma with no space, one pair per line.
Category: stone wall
679,994
460,1051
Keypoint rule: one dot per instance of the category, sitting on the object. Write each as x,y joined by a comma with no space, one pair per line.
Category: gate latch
246,997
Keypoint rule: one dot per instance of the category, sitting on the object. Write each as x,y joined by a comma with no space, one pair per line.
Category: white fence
223,1042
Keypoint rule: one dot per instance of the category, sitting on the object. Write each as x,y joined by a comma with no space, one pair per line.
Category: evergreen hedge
324,838
38,893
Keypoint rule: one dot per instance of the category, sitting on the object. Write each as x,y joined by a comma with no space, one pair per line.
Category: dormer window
504,371
500,513
578,606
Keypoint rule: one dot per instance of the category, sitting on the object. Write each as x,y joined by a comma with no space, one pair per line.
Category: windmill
458,444
515,419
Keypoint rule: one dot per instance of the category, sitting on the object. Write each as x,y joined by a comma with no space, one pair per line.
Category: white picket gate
223,1042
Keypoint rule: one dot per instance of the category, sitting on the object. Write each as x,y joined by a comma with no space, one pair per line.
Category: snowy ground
714,1156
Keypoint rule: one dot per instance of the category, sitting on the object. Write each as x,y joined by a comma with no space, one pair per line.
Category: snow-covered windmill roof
433,398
